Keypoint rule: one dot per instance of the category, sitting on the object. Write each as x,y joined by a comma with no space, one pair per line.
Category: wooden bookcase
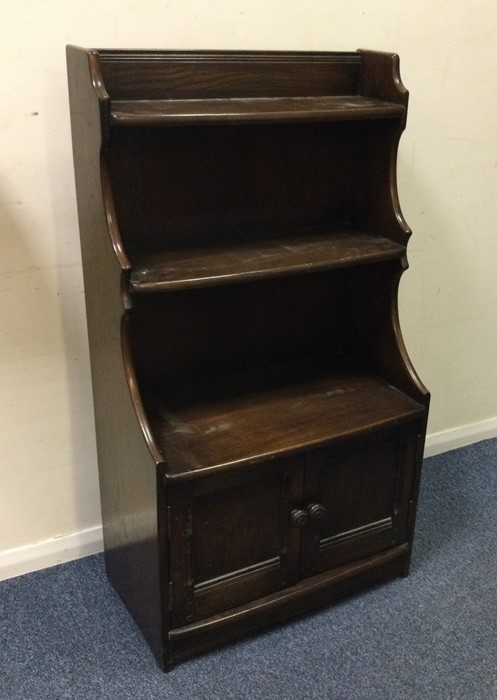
260,427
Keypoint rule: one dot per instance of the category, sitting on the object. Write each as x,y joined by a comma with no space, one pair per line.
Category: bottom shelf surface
252,416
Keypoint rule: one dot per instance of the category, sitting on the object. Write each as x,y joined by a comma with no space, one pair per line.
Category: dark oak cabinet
241,536
260,427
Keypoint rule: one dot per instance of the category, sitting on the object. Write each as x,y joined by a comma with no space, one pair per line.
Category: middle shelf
269,412
319,249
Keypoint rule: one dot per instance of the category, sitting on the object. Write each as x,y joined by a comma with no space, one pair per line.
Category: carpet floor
64,634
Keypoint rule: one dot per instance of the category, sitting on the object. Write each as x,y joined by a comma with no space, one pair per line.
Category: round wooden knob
316,511
298,517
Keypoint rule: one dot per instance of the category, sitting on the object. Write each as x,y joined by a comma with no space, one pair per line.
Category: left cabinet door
230,539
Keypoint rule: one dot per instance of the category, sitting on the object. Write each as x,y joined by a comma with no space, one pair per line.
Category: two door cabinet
260,427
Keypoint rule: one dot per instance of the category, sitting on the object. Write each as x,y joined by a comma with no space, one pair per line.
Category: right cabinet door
358,499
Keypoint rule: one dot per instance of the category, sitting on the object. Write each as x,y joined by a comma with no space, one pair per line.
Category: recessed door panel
236,542
363,493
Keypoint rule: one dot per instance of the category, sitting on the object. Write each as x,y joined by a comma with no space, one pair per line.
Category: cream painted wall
447,183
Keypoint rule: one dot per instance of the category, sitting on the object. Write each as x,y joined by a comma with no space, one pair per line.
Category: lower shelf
254,416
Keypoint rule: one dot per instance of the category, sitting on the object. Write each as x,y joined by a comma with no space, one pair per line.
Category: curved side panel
111,218
90,107
394,193
422,393
374,335
127,464
377,202
380,77
134,391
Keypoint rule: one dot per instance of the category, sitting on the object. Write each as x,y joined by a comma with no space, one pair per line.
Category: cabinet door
230,541
362,496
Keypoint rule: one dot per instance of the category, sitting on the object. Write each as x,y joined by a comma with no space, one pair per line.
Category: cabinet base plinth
191,640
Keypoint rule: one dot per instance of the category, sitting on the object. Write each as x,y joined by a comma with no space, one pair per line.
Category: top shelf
140,113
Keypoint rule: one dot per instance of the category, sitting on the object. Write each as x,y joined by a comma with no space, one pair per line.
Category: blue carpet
64,633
